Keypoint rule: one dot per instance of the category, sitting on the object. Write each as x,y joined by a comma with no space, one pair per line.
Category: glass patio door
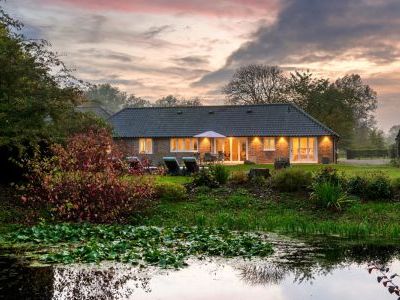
235,149
303,149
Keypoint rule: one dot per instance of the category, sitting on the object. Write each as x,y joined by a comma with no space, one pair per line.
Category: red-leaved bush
84,181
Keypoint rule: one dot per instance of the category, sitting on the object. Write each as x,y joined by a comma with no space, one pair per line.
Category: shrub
396,185
291,180
375,186
358,185
328,174
379,187
171,191
220,173
93,151
329,195
239,177
395,162
205,178
259,181
86,196
82,181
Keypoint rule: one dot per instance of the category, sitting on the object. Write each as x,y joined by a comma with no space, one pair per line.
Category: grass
390,171
350,170
287,213
174,179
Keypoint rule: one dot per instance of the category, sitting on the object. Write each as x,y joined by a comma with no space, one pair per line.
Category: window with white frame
146,146
183,145
269,144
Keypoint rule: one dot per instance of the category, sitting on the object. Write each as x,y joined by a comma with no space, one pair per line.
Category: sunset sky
153,48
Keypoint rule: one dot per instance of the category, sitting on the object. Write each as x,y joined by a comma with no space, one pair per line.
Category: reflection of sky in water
211,281
295,271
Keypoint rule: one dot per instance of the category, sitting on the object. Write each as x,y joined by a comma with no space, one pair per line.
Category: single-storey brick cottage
258,133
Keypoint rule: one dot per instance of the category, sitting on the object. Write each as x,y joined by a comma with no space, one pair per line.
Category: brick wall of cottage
326,149
258,155
161,148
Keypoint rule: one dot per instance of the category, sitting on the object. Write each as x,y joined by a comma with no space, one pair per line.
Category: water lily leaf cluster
164,247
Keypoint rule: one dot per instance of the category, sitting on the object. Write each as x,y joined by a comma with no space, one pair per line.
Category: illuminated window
269,144
183,145
146,146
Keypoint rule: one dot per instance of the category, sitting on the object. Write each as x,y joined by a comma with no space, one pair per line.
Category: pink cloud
228,8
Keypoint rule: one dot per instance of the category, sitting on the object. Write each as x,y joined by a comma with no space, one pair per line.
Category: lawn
349,170
283,213
390,171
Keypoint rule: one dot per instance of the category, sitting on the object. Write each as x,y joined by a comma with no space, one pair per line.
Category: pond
318,269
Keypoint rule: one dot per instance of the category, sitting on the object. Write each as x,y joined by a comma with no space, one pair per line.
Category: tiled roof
94,108
246,120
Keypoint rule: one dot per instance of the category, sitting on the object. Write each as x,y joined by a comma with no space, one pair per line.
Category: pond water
334,269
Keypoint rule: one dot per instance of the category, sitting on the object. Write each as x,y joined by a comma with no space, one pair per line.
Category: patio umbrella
209,134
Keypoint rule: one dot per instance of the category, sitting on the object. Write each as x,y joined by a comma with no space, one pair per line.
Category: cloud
116,80
156,30
192,60
107,54
99,29
307,31
230,8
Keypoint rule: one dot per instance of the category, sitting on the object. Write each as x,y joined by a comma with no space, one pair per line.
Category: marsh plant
329,195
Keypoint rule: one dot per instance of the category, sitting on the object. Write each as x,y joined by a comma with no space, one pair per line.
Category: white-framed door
303,150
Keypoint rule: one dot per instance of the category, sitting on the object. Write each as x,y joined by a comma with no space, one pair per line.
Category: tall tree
346,105
360,97
324,101
196,101
167,101
133,101
113,99
256,84
392,134
171,101
377,139
37,94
